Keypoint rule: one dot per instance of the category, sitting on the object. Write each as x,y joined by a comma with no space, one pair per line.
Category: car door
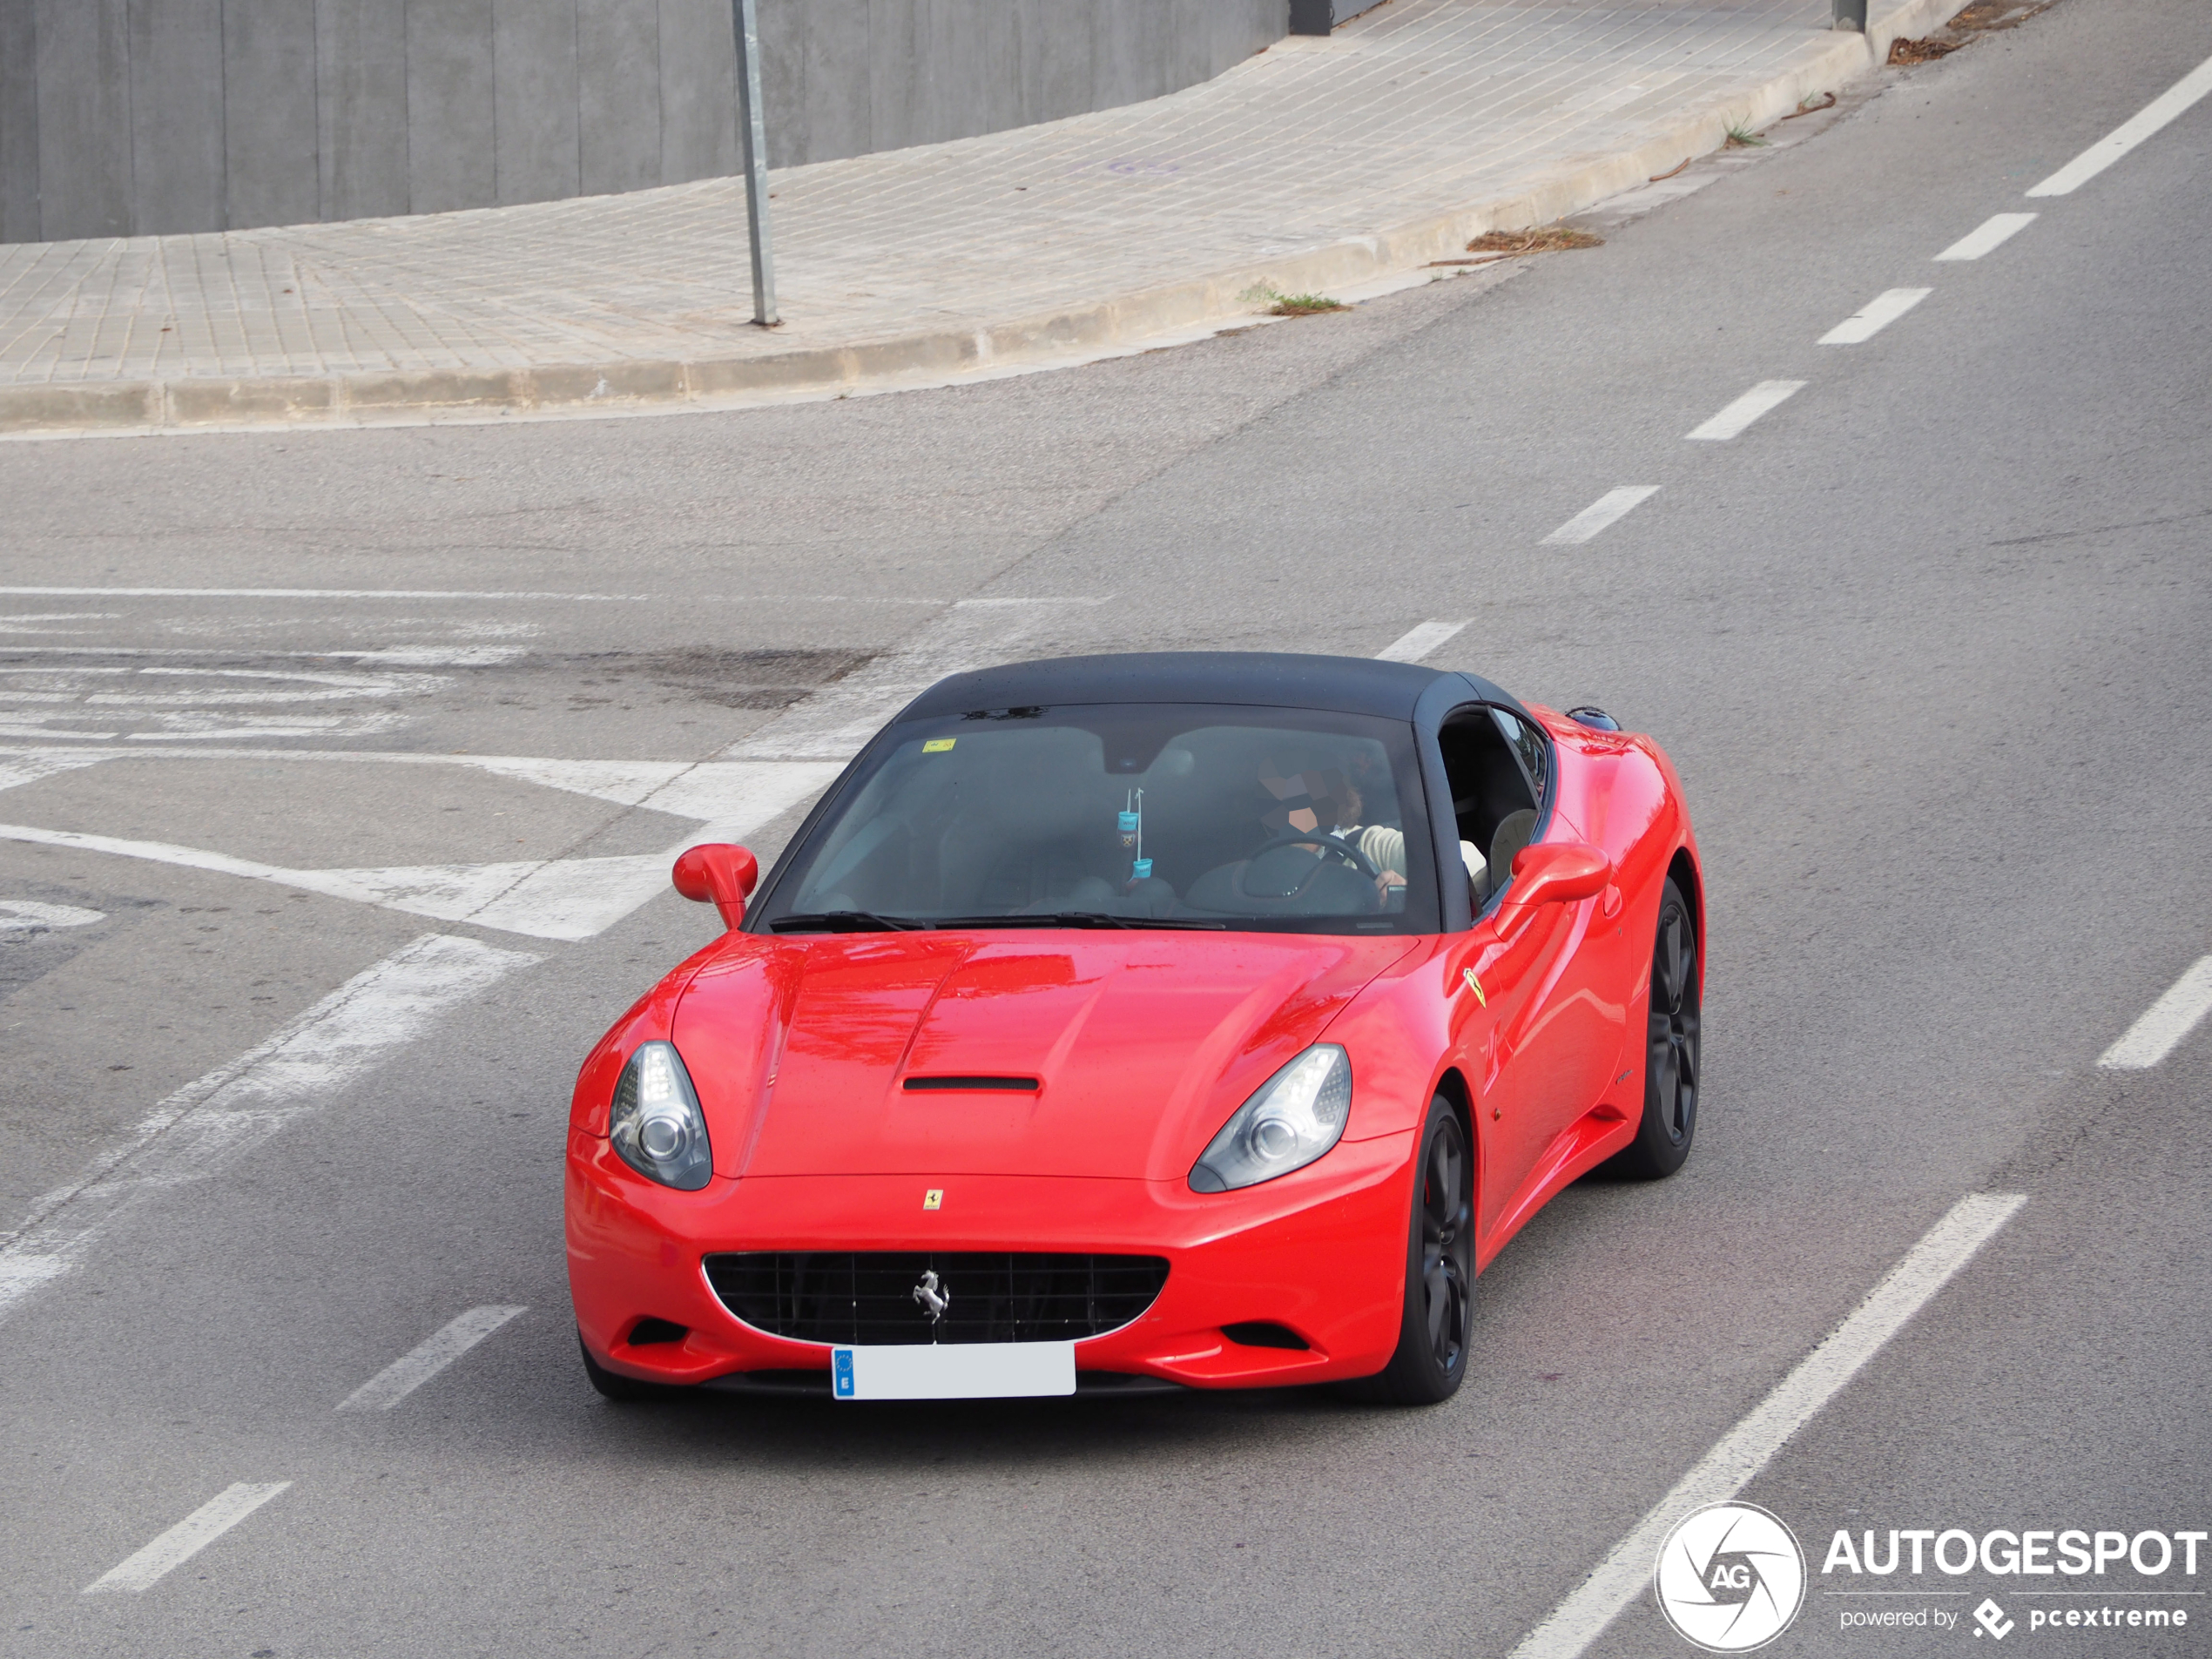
1500,1038
1562,1040
1495,982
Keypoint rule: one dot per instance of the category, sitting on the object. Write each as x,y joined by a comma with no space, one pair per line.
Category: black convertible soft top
1264,679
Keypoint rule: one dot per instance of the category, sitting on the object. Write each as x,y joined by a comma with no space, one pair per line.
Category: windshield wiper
866,921
1071,918
846,921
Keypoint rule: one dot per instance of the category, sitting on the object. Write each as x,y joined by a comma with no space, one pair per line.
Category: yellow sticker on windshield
938,746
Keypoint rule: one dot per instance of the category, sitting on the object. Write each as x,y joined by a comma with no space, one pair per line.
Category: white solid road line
2129,133
237,1106
411,1369
719,791
321,593
387,657
1608,509
1417,643
1744,1450
455,593
1729,421
2164,1023
1990,235
563,898
186,1539
1875,315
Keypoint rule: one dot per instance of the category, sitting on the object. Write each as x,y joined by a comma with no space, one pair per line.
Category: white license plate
953,1370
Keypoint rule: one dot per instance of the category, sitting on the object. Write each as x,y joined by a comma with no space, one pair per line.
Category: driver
1333,800
1385,848
1380,845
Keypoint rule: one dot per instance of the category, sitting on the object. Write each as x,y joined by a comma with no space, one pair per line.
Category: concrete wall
123,117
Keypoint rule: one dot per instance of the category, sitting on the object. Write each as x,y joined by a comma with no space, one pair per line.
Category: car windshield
1125,815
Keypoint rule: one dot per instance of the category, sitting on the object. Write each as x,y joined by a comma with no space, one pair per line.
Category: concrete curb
1051,339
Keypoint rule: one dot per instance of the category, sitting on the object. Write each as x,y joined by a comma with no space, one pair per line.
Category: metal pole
1851,14
752,144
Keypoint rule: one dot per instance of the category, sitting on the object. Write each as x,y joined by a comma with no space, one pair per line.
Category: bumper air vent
866,1298
1259,1334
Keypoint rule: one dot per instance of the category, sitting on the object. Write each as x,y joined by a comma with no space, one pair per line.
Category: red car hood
1141,1044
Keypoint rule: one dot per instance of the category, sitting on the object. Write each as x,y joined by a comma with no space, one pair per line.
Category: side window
1490,798
1528,743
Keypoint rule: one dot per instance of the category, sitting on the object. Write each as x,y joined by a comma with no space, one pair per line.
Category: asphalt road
1926,642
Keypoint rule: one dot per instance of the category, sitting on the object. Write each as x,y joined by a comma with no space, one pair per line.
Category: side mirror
721,873
1555,872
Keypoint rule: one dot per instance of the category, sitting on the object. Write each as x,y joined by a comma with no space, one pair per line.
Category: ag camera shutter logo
1731,1577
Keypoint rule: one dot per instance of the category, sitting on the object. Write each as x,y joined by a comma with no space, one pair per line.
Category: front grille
867,1297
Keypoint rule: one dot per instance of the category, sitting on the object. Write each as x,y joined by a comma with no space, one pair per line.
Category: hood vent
924,1085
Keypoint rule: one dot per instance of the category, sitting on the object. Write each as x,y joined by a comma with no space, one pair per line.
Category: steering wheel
1341,847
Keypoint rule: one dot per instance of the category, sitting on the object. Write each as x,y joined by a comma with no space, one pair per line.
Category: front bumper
1320,1253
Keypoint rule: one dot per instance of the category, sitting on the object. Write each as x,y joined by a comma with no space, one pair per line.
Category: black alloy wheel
1670,1074
1434,1330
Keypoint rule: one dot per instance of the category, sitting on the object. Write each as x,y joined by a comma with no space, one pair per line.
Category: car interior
1196,820
1156,816
1487,755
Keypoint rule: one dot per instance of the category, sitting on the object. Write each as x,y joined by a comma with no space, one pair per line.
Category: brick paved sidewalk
1320,162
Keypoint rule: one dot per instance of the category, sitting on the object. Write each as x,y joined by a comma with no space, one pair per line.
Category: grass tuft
1299,304
1546,239
1741,137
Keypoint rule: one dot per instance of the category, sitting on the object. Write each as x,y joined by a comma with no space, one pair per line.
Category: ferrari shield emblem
934,1199
1475,985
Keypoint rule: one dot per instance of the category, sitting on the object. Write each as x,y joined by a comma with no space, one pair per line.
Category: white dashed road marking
238,1105
1990,235
411,1369
1875,315
1737,416
1744,1450
1602,513
186,1539
2122,138
1417,643
2164,1023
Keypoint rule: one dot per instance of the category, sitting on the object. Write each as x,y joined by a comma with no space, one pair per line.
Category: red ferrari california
1118,1023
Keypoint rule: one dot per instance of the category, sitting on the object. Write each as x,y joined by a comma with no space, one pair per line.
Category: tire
1439,1311
612,1385
1672,1058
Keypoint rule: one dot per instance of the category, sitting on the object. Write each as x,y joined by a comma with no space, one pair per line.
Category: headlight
1297,1115
656,1124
